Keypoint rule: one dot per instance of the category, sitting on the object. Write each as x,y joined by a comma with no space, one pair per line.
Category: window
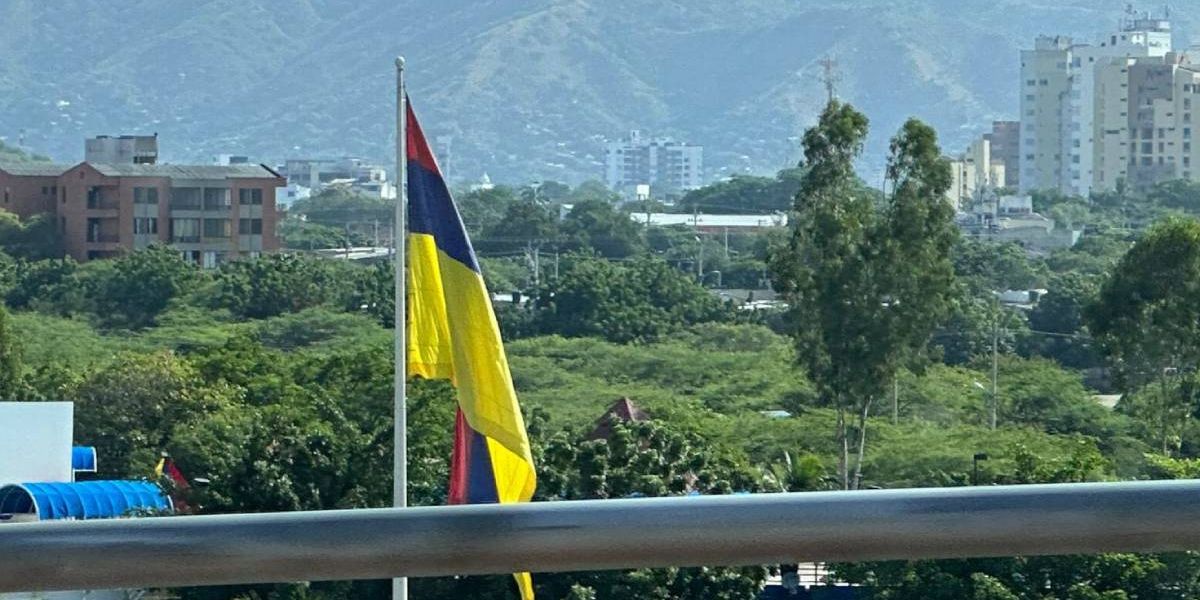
186,198
145,225
250,227
145,195
45,190
211,259
216,228
6,195
250,196
1187,133
216,198
1031,82
1147,147
185,230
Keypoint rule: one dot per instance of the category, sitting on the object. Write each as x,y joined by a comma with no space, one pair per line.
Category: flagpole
400,322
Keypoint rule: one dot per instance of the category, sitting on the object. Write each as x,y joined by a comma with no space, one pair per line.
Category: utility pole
830,76
726,243
895,400
995,360
699,243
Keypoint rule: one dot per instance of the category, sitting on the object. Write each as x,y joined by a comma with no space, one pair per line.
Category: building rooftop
731,221
187,171
34,169
85,500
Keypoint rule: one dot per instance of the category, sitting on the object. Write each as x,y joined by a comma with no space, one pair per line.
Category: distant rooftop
240,171
34,169
731,221
187,171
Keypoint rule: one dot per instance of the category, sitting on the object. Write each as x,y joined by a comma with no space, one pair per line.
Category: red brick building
210,213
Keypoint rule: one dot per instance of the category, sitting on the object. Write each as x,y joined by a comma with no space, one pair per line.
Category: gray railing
595,535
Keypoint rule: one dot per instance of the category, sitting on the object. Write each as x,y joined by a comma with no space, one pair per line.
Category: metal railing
596,535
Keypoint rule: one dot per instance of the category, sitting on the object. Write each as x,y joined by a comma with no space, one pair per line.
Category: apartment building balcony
101,199
103,238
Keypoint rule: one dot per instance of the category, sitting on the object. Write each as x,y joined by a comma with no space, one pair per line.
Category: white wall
35,441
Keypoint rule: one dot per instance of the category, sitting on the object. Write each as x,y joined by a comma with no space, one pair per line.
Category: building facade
209,213
1059,88
1145,122
669,167
1005,142
122,149
973,172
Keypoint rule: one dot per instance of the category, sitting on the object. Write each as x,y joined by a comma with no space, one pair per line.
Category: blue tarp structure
83,500
83,459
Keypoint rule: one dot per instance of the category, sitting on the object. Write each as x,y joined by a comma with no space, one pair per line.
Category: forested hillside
527,90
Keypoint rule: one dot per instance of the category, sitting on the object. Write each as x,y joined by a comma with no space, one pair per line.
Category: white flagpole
399,237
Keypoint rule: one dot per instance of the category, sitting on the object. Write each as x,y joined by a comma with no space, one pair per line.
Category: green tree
278,283
745,194
130,409
989,266
867,286
338,207
1057,322
599,226
638,459
37,238
10,358
482,209
1147,321
45,284
640,299
131,291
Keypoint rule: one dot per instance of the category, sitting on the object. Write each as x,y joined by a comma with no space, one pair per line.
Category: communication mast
830,76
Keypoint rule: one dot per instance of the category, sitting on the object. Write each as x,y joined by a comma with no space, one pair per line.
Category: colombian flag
453,334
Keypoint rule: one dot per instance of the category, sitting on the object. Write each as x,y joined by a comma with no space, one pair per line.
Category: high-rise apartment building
209,213
1045,84
1005,142
1144,122
1058,101
667,166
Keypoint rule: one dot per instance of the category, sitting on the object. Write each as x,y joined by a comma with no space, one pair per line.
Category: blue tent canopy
83,459
84,500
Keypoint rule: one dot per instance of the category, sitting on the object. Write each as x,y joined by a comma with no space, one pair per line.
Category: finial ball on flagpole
399,62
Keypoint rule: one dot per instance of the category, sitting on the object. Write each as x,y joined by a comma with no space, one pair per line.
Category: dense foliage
272,377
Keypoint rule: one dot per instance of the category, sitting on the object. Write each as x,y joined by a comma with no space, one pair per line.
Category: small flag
453,334
167,467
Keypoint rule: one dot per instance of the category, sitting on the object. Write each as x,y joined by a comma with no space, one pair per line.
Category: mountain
522,89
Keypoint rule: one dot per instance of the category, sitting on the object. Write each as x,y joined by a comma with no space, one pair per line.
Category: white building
973,172
712,223
1144,122
669,167
1058,101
